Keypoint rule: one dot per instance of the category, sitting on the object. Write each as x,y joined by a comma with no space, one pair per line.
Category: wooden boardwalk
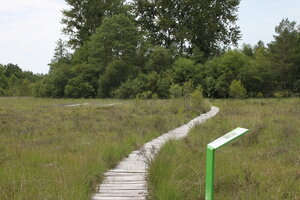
127,181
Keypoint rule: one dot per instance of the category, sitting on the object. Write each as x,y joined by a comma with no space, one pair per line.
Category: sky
30,28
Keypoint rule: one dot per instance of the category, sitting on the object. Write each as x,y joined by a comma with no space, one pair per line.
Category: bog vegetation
145,49
263,164
49,151
155,49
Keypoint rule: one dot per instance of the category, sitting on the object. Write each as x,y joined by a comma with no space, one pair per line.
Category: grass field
51,152
262,165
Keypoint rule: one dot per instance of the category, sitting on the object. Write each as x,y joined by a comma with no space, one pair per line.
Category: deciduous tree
82,18
186,24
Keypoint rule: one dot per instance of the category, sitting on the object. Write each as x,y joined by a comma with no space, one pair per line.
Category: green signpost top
232,135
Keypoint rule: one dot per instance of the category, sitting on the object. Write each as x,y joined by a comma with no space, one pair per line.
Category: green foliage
144,95
44,87
2,92
3,81
221,71
116,73
188,88
160,60
25,88
65,151
58,79
237,90
176,91
77,88
247,50
157,84
175,24
15,82
81,55
82,18
12,70
285,54
184,70
115,39
297,87
60,52
89,73
178,172
198,103
129,57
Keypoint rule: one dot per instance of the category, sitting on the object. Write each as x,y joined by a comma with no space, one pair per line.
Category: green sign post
210,158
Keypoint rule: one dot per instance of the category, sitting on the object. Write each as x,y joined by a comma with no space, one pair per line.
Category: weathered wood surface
127,181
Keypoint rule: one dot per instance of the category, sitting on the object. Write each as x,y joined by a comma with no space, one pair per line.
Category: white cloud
23,5
29,29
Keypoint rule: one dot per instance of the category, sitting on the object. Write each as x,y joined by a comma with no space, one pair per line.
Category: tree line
166,49
15,82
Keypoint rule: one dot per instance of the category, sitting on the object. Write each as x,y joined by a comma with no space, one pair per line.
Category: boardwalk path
127,181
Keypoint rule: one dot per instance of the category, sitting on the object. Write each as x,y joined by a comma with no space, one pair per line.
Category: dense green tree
221,71
43,88
15,82
259,45
81,55
57,80
237,90
284,53
78,88
146,86
186,24
82,17
116,73
184,69
160,60
61,52
11,69
89,73
257,75
24,88
248,50
115,39
3,80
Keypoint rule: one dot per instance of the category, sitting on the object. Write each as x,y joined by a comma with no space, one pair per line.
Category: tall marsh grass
54,152
262,165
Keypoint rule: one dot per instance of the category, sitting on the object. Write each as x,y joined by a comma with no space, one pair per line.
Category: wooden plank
125,173
117,198
122,186
125,178
127,181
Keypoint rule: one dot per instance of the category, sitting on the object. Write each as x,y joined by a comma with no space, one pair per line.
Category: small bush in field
175,91
188,88
145,95
281,94
237,90
259,95
197,100
2,92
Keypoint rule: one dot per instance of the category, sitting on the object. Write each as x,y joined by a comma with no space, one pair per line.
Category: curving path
127,181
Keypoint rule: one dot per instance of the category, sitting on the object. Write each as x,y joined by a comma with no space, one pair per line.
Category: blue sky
30,28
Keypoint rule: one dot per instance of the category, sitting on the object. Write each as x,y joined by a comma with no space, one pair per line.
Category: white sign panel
228,137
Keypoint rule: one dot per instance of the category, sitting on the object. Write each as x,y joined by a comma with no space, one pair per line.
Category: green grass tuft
263,164
55,152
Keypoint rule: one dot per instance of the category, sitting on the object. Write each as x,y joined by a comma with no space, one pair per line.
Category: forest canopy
161,49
